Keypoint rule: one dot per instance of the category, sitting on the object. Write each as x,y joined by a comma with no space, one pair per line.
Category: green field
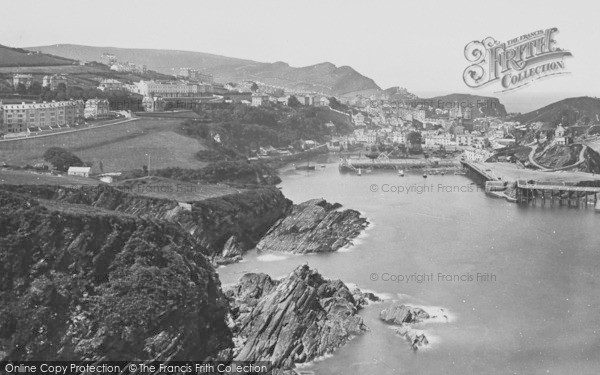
17,57
118,147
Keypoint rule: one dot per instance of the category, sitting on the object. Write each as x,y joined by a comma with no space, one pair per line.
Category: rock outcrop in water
293,320
399,314
404,316
80,282
101,274
312,227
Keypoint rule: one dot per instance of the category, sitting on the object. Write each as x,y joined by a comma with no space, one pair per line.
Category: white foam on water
384,297
402,296
358,240
437,314
432,340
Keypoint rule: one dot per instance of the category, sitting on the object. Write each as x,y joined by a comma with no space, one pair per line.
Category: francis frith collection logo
515,63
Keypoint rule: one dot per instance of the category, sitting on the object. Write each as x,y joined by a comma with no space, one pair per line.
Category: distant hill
571,111
324,77
398,93
481,106
17,57
18,60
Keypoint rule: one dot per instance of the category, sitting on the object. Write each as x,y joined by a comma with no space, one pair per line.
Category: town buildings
110,85
24,79
153,104
172,89
195,75
97,109
437,141
53,82
259,100
21,118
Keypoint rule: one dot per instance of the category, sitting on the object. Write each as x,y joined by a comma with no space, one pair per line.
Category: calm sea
534,309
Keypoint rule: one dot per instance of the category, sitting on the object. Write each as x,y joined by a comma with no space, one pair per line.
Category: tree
293,102
35,88
21,89
62,159
414,137
335,104
254,87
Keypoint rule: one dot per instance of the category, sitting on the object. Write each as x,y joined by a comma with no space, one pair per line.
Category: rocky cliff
293,320
81,282
102,274
216,223
313,226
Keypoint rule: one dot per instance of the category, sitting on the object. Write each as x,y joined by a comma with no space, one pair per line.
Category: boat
401,173
424,175
322,165
359,172
442,173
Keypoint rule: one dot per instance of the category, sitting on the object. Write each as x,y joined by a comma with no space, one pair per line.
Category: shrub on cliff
238,172
85,285
62,159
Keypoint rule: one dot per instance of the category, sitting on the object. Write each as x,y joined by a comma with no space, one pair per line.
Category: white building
465,139
21,118
96,109
79,171
172,89
477,154
438,140
110,85
259,100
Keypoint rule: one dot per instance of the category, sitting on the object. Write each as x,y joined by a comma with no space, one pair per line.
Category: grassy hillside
119,147
15,57
571,111
324,77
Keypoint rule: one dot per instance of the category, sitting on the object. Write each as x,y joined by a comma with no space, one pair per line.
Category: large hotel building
19,118
172,89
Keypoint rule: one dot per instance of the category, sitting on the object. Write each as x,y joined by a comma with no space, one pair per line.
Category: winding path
544,169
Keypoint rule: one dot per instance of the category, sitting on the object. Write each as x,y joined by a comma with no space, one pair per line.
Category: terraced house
97,109
26,117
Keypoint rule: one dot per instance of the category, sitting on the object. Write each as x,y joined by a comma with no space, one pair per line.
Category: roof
79,169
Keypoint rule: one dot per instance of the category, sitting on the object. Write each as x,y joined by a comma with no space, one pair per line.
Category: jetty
385,162
533,192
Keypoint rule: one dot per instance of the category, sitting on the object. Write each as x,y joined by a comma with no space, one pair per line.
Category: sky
414,44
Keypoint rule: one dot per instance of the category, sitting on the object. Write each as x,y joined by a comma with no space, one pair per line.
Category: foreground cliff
225,226
96,273
312,227
294,320
83,282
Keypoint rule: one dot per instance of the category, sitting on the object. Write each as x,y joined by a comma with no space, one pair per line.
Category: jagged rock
399,314
232,252
293,320
313,226
415,339
364,298
232,248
